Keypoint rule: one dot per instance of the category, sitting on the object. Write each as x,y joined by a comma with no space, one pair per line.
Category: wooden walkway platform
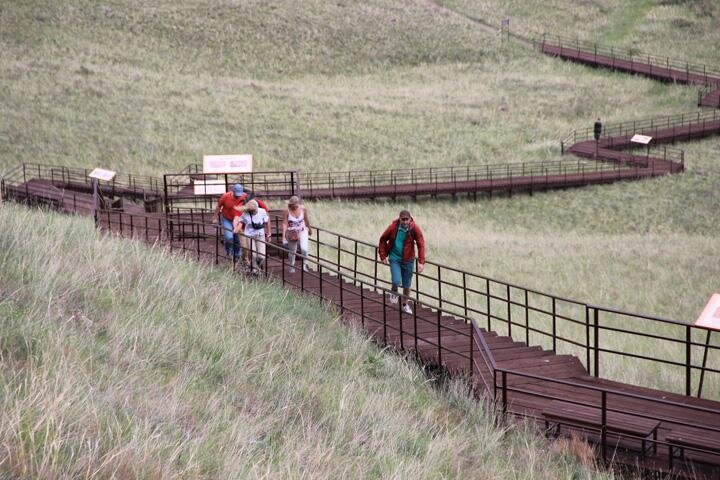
515,377
667,73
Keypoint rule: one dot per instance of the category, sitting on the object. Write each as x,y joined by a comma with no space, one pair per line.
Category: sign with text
227,163
209,187
710,316
643,139
102,174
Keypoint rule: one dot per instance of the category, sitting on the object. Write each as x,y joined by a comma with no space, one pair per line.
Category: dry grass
136,363
149,88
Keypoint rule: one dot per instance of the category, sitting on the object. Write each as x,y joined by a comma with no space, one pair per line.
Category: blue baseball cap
237,189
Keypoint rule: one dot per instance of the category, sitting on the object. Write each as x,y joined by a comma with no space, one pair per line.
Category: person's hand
421,267
309,231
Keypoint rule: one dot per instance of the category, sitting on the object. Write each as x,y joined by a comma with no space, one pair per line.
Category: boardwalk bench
560,413
703,441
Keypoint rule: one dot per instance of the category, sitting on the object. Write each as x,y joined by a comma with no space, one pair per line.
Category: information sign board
710,316
643,139
209,187
227,163
102,174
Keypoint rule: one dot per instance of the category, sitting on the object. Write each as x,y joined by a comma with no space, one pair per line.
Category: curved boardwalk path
632,425
652,429
654,67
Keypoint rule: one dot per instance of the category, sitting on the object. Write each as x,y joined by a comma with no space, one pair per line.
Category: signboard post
710,319
96,175
504,29
642,140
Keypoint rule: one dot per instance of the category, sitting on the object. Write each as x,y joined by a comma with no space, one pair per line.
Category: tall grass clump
122,360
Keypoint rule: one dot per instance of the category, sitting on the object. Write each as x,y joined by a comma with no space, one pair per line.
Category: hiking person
397,248
254,223
249,195
597,131
226,213
295,231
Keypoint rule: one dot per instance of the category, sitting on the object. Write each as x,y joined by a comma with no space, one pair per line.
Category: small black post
596,335
95,200
362,305
587,338
603,424
688,358
384,294
704,363
439,338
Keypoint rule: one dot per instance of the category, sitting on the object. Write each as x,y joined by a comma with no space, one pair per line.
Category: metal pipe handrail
654,124
477,338
701,71
322,263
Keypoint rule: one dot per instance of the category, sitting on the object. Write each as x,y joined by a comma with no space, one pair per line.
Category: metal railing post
587,338
439,338
688,359
603,424
597,342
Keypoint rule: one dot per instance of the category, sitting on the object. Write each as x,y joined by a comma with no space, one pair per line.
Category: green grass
320,86
132,362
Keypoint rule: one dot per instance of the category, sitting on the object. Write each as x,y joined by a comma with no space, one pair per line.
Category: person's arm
307,221
382,244
266,225
420,241
218,208
284,225
237,225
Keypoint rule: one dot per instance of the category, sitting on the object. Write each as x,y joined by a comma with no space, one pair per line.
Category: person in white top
296,228
255,220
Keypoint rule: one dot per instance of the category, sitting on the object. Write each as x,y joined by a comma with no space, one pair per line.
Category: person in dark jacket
397,248
597,129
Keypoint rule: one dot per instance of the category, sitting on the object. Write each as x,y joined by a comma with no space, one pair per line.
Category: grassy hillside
148,88
128,362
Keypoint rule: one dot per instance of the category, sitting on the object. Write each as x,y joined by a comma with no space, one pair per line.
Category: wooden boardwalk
646,428
516,377
641,425
658,72
667,73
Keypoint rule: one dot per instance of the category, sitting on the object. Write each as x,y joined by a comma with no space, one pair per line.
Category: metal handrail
704,92
708,75
689,120
499,391
169,228
79,176
438,274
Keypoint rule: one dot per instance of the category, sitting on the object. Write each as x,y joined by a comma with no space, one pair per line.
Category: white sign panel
710,316
102,174
209,187
644,139
227,163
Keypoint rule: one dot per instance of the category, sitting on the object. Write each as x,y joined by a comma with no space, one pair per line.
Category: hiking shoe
305,267
407,309
291,270
393,298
